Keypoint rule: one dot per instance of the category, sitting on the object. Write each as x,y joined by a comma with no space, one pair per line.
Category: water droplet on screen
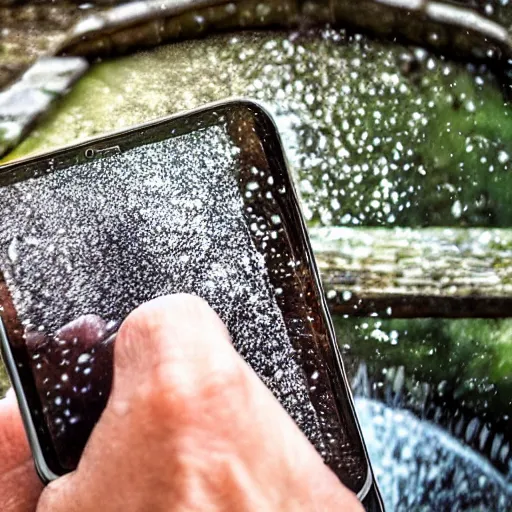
12,251
73,420
83,358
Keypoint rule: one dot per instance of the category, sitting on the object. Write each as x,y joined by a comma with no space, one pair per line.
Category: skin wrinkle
6,476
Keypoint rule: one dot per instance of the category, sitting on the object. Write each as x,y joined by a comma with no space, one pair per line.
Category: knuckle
169,394
165,403
179,350
224,383
185,394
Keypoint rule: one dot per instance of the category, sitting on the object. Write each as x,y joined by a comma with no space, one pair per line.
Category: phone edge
42,468
370,482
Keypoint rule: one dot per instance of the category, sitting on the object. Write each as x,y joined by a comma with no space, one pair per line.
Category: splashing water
421,467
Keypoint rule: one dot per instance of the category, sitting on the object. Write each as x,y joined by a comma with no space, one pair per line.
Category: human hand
20,486
190,427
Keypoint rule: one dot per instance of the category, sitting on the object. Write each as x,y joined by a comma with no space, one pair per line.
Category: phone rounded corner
255,105
372,500
46,475
369,494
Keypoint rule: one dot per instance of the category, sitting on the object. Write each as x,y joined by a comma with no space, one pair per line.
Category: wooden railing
432,272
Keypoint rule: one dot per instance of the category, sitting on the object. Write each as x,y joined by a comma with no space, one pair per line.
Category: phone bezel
144,133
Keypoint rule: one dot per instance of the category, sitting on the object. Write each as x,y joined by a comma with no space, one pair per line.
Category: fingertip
158,328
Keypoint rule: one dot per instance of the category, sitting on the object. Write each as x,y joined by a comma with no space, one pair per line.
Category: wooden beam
407,273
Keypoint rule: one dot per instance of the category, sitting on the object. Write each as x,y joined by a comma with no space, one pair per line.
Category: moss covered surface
466,363
4,381
377,134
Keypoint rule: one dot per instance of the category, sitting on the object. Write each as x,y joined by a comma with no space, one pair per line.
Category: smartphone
201,203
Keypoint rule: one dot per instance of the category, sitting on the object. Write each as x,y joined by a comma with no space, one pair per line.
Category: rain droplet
83,358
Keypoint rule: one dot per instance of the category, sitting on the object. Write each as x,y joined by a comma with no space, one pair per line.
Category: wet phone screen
201,203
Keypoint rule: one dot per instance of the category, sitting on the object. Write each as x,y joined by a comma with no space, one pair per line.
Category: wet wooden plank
31,30
434,272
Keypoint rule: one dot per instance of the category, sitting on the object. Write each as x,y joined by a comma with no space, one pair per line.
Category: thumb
163,342
161,357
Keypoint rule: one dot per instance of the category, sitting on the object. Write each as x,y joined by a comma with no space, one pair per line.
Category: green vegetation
4,381
469,361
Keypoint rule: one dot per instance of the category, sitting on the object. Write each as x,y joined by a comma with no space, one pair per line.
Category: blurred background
396,119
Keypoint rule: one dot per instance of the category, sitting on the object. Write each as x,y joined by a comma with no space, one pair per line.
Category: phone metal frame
96,147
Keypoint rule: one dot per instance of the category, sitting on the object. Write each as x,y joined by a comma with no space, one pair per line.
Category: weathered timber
31,31
407,273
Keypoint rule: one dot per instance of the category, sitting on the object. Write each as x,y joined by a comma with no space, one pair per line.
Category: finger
20,486
179,346
14,447
178,339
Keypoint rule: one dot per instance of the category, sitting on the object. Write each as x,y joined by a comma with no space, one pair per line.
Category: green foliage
469,359
4,381
468,146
